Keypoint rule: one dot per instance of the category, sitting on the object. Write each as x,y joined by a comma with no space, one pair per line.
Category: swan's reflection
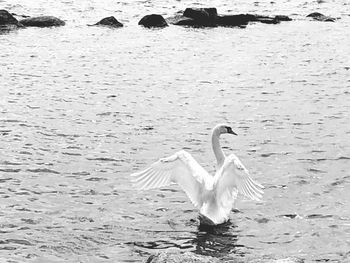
217,241
220,241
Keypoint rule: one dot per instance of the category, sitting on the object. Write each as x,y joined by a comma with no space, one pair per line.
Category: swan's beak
230,131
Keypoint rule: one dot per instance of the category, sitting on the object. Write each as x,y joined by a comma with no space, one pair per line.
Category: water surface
83,107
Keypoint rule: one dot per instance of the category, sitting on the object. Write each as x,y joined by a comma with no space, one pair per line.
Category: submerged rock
42,21
153,21
208,17
321,17
110,21
244,19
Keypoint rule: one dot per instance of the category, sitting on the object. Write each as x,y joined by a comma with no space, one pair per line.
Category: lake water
83,107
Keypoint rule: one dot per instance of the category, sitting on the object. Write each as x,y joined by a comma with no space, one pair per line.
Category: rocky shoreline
190,17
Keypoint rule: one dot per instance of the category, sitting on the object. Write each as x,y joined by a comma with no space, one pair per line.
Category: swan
214,196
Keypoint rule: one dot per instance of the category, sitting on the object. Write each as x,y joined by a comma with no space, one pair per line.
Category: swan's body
214,196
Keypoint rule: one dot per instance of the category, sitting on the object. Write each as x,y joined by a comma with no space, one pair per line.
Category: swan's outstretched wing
235,177
180,168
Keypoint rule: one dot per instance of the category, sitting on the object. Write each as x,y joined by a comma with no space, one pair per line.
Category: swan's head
223,128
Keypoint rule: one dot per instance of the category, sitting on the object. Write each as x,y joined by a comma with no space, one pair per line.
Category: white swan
214,196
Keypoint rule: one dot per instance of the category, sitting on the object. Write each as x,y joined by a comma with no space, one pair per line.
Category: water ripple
42,170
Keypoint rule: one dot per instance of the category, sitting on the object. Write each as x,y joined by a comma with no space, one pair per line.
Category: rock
202,16
315,14
283,18
181,20
262,19
244,19
153,21
7,19
321,17
8,22
266,20
109,21
233,20
195,17
42,21
201,13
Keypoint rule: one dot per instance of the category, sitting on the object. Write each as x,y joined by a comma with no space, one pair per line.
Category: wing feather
141,175
158,180
149,183
144,178
180,168
233,175
253,185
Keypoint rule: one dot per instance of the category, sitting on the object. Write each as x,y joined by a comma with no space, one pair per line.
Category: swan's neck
219,154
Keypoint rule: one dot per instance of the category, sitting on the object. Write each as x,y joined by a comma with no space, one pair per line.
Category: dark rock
42,21
202,16
314,14
283,18
234,20
201,13
7,19
153,21
266,20
244,19
8,22
195,17
321,17
181,20
109,21
263,19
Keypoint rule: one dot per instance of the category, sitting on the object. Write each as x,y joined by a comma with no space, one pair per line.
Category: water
83,107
